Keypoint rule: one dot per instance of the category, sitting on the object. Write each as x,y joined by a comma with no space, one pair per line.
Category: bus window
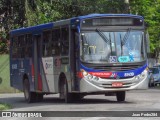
65,40
21,46
56,42
14,47
28,48
47,43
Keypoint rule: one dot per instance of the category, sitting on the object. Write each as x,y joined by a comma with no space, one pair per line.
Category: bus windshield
111,47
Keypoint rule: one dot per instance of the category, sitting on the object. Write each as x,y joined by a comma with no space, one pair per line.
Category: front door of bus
36,56
73,59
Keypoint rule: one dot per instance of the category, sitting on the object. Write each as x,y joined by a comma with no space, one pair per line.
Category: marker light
84,73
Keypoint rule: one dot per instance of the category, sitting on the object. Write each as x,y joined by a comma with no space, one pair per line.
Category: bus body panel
20,68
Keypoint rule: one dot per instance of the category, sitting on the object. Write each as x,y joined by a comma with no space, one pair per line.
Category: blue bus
84,55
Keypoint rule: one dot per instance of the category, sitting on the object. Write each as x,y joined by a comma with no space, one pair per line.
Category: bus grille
116,68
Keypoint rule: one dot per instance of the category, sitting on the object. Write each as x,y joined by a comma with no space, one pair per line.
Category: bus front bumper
106,85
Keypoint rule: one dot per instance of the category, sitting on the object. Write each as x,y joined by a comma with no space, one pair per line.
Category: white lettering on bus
129,74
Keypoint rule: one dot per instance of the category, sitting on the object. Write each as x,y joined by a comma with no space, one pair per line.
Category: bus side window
65,40
14,47
56,41
28,48
21,46
47,43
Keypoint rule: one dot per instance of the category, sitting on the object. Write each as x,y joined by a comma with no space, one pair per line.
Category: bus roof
107,15
33,29
38,28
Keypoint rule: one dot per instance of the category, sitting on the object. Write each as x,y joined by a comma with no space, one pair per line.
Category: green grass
4,75
4,106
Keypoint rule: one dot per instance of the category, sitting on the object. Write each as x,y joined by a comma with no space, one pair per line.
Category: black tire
67,96
64,94
120,96
29,96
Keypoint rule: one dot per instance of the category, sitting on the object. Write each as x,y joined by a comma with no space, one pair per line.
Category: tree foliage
23,13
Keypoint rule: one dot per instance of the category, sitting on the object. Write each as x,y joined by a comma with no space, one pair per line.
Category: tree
24,13
150,9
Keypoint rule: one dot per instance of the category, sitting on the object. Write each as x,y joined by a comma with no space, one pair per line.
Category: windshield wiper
121,45
126,36
103,37
124,40
108,41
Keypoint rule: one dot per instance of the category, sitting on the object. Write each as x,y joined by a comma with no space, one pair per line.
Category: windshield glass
111,47
155,70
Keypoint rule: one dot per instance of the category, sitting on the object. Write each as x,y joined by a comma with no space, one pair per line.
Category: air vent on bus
116,68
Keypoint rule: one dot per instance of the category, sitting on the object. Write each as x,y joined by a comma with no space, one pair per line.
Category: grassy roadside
4,106
4,75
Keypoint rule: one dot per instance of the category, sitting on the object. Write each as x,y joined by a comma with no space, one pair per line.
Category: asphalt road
138,100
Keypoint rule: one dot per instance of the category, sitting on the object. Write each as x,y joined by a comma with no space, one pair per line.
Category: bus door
74,58
47,70
36,63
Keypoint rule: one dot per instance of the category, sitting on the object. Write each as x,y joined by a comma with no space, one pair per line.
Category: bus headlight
89,76
143,74
96,78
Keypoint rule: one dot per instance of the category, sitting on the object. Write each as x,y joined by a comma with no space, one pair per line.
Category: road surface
140,100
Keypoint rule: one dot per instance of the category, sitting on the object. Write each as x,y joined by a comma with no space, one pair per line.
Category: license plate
117,84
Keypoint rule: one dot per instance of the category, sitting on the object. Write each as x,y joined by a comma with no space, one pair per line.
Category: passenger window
56,47
65,40
47,43
21,46
14,47
28,46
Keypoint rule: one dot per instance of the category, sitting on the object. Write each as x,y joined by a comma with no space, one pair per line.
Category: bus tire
29,96
120,96
64,94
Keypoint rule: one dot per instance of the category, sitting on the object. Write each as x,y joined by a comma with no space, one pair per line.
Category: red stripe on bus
32,69
39,82
97,74
101,74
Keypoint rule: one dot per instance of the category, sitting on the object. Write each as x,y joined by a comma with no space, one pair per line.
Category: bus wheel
29,96
120,96
64,91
